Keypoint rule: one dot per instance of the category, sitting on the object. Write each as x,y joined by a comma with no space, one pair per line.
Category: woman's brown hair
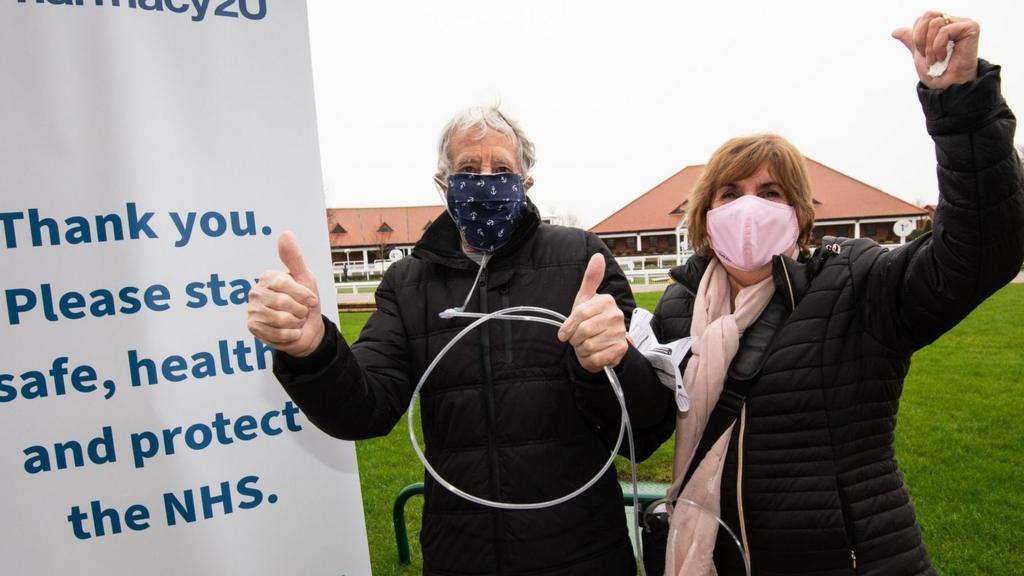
741,158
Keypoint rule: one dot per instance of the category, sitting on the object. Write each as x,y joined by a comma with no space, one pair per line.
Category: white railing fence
657,261
344,272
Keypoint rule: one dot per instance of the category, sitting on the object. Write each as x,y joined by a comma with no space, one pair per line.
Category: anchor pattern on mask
486,223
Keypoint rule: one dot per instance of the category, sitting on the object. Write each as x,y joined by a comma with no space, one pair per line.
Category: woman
798,361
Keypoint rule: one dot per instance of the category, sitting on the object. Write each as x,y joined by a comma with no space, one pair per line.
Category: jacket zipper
739,450
789,284
835,249
739,483
492,449
508,325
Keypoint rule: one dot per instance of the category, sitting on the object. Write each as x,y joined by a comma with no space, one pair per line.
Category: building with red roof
367,234
843,206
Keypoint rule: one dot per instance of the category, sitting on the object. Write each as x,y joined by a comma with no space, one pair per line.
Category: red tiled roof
361,227
842,197
658,209
836,195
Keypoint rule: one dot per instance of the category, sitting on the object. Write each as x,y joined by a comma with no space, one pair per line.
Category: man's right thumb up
291,256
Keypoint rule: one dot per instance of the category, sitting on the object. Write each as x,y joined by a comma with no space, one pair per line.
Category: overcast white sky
619,96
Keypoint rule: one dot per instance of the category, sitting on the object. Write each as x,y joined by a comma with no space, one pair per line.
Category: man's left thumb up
588,289
591,280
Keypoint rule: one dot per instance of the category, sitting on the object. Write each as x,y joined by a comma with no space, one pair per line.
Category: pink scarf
716,337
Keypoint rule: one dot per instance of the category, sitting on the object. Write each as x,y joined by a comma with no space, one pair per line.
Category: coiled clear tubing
511,314
543,316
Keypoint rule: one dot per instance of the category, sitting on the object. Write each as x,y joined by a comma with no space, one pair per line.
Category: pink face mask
748,231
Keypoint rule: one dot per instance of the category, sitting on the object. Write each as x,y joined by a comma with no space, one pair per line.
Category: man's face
493,153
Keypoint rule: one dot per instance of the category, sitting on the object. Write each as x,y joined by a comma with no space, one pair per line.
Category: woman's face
761,183
771,227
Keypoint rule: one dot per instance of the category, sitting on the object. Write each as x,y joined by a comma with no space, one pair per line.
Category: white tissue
937,69
665,358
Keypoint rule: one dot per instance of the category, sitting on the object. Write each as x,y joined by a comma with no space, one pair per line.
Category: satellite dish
903,227
395,255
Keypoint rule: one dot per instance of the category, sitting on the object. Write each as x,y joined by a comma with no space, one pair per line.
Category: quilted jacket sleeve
648,402
919,291
358,392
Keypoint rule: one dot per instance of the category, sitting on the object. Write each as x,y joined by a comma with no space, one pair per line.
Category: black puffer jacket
812,454
508,414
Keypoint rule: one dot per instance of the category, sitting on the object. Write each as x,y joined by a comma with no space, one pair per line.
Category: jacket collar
442,244
689,273
791,277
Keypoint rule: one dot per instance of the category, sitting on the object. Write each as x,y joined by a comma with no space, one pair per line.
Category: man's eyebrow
470,157
503,157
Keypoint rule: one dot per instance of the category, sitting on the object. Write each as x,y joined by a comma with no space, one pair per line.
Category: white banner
150,153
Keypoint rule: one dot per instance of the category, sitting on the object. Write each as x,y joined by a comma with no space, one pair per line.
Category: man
513,413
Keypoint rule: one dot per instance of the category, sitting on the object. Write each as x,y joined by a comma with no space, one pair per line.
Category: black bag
654,536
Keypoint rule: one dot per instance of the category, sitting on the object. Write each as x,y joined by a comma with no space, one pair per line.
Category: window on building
838,230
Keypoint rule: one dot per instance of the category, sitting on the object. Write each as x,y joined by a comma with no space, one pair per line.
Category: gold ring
946,19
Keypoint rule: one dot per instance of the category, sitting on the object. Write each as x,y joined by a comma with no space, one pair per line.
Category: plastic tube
554,319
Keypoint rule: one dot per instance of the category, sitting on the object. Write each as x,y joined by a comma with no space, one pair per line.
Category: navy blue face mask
486,207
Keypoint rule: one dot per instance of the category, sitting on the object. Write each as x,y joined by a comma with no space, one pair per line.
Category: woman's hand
927,42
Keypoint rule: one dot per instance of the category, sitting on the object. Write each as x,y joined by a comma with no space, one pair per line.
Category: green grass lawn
959,443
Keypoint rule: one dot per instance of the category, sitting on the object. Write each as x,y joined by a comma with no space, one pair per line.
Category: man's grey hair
483,118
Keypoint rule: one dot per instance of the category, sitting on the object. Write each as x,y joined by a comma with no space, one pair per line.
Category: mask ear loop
440,185
442,189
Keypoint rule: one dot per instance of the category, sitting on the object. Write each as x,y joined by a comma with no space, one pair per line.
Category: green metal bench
647,492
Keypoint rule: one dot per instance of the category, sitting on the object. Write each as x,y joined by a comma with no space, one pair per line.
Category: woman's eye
726,195
771,194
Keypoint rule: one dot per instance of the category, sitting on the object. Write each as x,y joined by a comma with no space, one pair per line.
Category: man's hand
927,43
284,307
595,328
